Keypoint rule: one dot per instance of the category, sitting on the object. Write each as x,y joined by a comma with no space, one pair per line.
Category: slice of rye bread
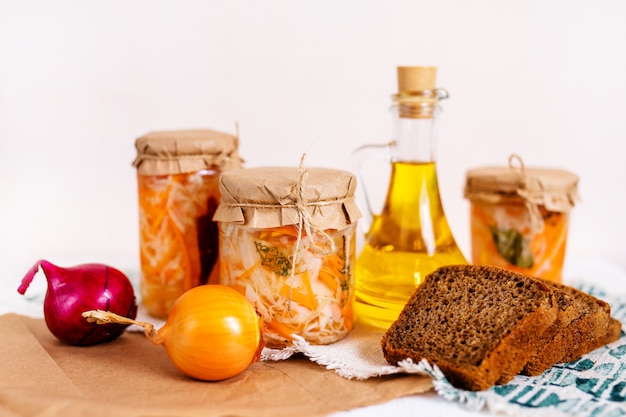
472,322
588,327
567,312
614,332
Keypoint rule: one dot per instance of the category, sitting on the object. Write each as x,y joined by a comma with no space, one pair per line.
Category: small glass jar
178,193
519,217
287,242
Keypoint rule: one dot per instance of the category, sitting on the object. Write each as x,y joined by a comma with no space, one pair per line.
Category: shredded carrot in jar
178,240
502,236
314,299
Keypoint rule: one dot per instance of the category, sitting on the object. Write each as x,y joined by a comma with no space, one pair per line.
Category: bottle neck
415,118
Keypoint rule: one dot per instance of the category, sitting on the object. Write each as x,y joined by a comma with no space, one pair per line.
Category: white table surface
608,275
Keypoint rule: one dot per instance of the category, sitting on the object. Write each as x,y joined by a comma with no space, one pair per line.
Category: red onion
71,291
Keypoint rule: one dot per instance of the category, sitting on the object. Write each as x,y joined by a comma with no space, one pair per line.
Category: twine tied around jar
314,202
305,222
536,219
219,159
304,218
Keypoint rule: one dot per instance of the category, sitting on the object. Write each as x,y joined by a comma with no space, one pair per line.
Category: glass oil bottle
410,237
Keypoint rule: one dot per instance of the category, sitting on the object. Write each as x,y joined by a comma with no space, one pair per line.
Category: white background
80,80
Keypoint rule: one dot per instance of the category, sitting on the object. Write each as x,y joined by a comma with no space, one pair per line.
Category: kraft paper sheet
130,377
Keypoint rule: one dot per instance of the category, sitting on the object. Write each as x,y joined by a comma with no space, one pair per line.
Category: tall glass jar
178,193
519,217
287,241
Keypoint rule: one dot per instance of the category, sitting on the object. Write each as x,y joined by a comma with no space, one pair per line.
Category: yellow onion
212,332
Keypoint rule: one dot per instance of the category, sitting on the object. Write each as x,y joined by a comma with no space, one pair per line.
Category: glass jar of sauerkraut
287,242
519,217
178,193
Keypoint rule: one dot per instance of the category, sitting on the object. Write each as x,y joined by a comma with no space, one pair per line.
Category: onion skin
212,333
83,287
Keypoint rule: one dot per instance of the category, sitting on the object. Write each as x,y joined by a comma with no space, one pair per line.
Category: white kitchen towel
357,356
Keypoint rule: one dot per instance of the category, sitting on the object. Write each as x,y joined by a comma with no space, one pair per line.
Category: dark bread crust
613,333
456,320
585,345
588,326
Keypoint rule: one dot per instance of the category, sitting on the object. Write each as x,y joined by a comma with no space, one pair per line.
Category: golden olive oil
409,239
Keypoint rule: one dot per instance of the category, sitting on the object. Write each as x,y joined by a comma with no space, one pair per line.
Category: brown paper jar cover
265,197
555,189
183,151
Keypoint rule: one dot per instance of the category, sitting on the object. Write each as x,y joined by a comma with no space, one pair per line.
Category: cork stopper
411,79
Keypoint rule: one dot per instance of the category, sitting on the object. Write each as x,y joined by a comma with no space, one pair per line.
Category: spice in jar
519,217
178,193
287,241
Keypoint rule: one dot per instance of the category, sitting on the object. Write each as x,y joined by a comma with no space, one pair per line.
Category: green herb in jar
273,259
513,247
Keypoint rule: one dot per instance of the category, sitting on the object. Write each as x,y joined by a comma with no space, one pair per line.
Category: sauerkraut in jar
287,242
178,193
519,217
315,302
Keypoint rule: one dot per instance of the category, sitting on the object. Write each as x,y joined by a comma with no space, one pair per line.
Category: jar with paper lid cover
178,193
519,217
287,241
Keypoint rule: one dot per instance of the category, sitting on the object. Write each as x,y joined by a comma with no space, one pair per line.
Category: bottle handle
358,159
